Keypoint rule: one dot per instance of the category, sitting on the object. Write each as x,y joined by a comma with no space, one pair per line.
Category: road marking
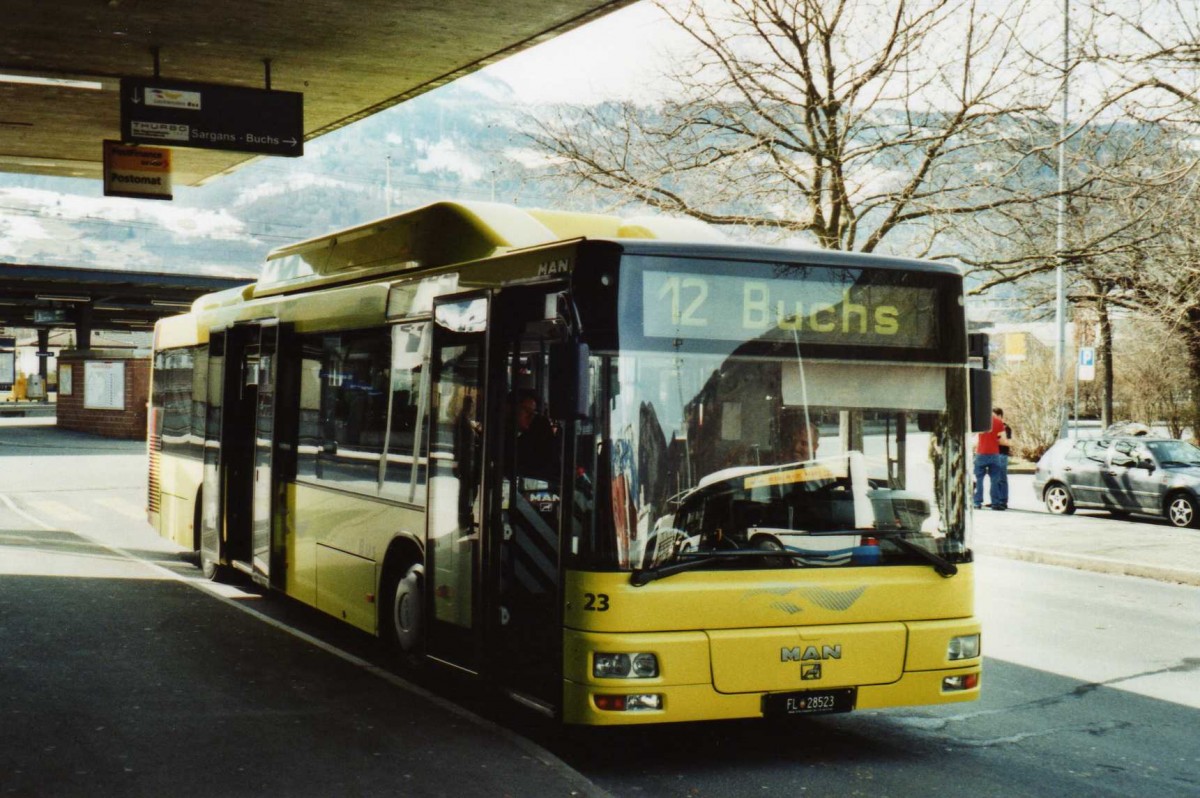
59,510
123,507
30,518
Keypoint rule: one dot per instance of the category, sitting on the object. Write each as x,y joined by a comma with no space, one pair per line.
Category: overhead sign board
172,113
138,172
49,315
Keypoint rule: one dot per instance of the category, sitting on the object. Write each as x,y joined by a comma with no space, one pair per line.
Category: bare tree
1155,56
1031,397
848,122
1153,385
1125,179
1151,55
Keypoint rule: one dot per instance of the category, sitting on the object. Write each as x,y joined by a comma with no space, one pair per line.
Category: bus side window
345,444
173,395
408,447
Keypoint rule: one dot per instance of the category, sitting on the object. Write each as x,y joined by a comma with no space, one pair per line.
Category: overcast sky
616,56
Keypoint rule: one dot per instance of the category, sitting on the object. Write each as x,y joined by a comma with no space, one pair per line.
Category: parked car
1124,474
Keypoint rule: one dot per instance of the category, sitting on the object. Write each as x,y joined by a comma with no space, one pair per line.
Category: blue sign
1087,363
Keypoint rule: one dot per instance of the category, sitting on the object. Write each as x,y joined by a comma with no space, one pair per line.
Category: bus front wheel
407,609
213,571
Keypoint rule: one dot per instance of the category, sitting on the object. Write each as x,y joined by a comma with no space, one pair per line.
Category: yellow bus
624,470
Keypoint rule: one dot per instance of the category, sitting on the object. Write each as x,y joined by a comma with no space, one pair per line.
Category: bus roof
797,255
445,233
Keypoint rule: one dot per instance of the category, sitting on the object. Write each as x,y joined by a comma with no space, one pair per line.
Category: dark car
1123,474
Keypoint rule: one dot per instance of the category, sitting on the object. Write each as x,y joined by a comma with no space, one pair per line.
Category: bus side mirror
981,400
569,389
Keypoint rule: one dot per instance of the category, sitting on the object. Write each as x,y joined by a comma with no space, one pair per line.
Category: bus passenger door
263,483
243,425
526,538
211,523
456,486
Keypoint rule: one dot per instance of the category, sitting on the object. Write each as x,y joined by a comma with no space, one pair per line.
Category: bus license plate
809,702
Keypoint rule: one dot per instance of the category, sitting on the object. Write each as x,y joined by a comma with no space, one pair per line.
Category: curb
1083,562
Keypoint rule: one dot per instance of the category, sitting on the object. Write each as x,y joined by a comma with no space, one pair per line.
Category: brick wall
129,422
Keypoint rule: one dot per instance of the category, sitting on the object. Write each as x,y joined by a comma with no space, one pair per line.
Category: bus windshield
768,456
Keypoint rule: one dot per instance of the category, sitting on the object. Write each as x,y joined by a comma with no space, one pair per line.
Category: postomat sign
138,172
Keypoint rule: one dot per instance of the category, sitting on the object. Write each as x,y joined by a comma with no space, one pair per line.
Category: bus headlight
963,647
624,666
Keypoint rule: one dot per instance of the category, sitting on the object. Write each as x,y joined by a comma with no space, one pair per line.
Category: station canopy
97,299
61,62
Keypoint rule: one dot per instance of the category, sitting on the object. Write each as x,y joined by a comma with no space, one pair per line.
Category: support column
43,335
83,327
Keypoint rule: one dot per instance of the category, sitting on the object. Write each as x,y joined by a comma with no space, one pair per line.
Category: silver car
1124,474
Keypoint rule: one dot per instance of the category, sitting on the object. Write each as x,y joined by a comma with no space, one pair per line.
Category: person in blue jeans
991,464
1005,448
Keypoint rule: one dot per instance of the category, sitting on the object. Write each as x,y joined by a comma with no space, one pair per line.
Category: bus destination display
817,309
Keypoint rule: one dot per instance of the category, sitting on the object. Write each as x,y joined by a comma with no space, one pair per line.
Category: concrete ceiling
350,58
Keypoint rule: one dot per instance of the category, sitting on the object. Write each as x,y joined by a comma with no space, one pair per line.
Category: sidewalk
1088,540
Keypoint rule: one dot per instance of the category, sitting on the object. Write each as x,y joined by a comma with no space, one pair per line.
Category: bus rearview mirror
981,400
569,388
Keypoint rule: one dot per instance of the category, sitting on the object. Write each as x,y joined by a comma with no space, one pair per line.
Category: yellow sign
796,303
1015,346
138,172
806,474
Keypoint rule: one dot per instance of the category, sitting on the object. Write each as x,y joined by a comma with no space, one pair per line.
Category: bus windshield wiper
940,563
691,560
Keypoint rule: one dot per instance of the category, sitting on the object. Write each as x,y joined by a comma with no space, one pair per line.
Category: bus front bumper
684,690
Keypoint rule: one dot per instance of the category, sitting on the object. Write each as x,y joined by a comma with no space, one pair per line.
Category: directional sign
49,315
171,113
1087,363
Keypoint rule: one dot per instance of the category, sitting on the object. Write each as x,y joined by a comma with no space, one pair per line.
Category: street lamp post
1060,304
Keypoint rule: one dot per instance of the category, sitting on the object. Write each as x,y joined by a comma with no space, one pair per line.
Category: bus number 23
681,290
595,602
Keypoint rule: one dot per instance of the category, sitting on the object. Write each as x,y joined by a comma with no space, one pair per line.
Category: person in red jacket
990,463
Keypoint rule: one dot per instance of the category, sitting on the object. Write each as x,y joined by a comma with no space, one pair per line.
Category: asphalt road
1091,687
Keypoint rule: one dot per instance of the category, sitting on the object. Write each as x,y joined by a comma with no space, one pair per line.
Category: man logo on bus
795,654
810,673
